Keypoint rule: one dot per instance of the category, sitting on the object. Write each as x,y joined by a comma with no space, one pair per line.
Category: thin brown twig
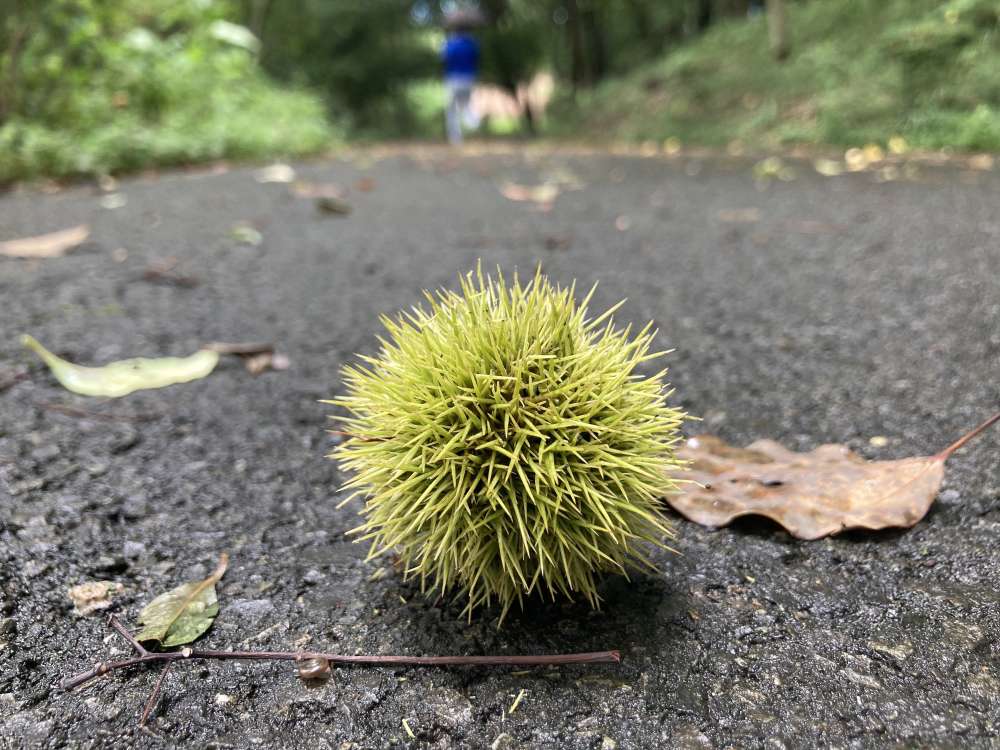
8,380
241,348
187,654
151,701
127,635
73,411
163,272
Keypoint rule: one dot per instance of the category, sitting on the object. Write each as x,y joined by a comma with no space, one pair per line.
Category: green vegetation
508,445
100,86
859,71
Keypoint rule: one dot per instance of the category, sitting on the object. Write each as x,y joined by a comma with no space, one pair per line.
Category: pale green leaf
182,614
121,378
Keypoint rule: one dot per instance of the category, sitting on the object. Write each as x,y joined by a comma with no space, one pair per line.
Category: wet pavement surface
810,311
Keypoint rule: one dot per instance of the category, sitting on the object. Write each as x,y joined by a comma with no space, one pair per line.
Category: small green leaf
245,234
121,378
182,614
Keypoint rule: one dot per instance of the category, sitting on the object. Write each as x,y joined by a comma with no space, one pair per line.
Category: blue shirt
461,57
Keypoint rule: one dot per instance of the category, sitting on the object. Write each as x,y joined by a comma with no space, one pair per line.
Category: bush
106,87
860,71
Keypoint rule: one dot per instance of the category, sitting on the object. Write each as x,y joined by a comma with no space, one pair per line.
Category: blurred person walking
460,56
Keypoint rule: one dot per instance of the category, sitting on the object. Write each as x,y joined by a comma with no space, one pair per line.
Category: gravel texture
814,310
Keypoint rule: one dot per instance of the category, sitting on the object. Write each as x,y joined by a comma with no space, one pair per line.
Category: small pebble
46,453
312,577
133,550
949,496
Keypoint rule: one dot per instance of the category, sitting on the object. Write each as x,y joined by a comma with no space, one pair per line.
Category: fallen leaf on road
332,206
52,245
898,145
857,159
162,272
111,201
773,168
811,226
275,173
246,235
365,184
121,378
983,162
544,194
873,153
672,146
182,614
558,242
93,596
739,215
888,173
812,494
564,178
318,190
828,167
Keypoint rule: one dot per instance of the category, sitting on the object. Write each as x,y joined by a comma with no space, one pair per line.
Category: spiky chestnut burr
506,444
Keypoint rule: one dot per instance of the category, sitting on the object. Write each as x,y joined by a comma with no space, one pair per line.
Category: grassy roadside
861,71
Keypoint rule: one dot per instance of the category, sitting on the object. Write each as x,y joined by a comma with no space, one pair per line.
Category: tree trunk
594,36
704,15
578,59
777,29
10,69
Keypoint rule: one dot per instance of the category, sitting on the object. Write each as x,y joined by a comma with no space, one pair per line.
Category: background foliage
859,71
92,86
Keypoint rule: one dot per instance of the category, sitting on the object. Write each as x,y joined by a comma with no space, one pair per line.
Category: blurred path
810,310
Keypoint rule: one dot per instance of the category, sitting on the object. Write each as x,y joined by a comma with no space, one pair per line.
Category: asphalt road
810,311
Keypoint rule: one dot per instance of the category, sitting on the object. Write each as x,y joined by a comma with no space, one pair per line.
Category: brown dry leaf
812,494
93,596
983,162
544,194
318,190
828,167
739,215
162,272
333,206
365,184
558,242
275,173
51,245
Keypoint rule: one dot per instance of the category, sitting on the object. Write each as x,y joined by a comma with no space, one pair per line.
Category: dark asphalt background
837,310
